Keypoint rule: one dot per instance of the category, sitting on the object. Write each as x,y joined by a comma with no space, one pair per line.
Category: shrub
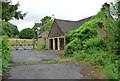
112,71
79,55
6,54
98,43
72,46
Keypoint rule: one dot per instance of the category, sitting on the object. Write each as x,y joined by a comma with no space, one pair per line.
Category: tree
9,29
26,33
36,28
119,26
45,25
43,20
10,11
115,11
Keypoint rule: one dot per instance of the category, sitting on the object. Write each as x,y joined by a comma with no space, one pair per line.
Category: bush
112,71
98,43
6,54
100,59
79,55
26,33
72,46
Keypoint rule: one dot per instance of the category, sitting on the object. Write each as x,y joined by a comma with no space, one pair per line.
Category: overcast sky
62,9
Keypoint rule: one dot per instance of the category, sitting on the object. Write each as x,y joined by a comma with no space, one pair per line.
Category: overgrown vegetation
40,46
6,54
89,45
10,30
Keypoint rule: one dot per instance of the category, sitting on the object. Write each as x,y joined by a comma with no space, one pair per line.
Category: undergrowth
6,54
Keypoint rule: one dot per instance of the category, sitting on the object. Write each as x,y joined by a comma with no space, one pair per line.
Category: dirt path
42,71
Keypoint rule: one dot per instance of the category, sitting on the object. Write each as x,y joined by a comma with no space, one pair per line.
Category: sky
73,10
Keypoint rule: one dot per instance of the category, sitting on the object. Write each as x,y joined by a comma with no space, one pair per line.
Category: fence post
16,45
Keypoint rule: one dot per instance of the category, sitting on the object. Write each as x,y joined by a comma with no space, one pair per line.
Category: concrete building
59,29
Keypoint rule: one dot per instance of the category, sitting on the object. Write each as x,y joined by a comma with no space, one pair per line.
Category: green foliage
6,54
45,40
48,25
72,46
44,20
112,71
26,33
9,29
89,30
40,46
45,25
16,36
86,31
98,43
10,11
98,50
100,59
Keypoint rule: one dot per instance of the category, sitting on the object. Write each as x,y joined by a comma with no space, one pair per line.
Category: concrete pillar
49,44
58,43
64,43
53,43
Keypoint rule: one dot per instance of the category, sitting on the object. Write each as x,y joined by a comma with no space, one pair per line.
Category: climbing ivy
89,30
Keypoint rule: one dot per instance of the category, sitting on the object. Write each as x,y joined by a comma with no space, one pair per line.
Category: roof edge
75,20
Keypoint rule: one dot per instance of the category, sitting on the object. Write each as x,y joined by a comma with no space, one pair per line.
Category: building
59,29
40,37
62,27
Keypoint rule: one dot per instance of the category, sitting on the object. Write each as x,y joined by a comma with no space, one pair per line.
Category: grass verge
57,61
49,61
36,55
